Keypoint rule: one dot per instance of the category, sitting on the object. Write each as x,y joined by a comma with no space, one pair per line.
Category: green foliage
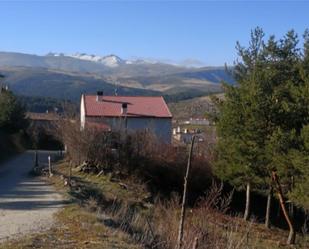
43,104
12,114
261,121
300,160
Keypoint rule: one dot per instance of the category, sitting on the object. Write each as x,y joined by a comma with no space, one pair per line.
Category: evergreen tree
300,155
243,122
300,158
12,114
261,118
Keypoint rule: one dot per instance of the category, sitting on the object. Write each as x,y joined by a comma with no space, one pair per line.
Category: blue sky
175,30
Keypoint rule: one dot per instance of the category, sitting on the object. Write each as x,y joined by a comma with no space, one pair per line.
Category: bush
137,154
12,114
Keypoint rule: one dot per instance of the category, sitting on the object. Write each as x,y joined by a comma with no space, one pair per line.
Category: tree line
12,113
263,122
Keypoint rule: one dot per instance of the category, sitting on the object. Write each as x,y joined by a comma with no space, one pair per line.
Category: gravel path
27,204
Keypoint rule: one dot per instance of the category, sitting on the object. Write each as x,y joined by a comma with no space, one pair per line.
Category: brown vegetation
138,158
137,154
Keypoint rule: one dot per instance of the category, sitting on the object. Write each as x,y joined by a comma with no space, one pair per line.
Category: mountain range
61,75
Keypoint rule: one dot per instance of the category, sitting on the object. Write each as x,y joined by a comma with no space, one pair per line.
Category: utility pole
184,198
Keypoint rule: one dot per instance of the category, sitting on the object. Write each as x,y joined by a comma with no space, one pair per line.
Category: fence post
49,167
70,172
195,243
36,161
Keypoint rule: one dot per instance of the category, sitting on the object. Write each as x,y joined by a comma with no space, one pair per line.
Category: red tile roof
110,106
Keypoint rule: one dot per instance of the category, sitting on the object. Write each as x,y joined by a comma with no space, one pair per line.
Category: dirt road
27,204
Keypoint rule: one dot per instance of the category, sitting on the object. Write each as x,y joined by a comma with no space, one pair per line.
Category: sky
178,31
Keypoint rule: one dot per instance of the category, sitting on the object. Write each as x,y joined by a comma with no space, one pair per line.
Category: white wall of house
161,127
82,113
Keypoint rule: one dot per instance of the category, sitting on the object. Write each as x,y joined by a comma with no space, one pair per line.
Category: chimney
124,108
99,96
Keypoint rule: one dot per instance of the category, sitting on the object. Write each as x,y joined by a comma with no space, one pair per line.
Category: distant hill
103,66
67,76
192,108
48,83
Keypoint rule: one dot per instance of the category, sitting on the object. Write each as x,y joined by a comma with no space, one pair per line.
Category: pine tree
12,114
261,118
300,155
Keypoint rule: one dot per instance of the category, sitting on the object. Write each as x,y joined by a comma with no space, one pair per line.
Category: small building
43,127
198,121
131,113
184,135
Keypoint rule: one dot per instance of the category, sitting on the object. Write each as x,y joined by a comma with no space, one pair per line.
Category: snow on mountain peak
109,60
112,60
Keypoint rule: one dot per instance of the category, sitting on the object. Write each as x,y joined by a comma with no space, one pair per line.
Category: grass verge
75,228
79,225
108,213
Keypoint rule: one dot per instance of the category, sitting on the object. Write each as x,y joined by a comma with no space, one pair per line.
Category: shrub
138,154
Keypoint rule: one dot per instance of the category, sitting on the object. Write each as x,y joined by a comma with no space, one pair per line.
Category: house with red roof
130,113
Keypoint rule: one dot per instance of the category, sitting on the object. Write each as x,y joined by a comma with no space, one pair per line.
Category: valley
66,77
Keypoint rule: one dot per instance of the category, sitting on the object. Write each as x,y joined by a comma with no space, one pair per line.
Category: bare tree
292,234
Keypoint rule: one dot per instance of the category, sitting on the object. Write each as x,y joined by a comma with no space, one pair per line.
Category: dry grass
108,184
208,224
106,215
80,224
155,226
76,228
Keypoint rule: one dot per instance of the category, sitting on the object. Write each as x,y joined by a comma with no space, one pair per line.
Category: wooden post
184,199
292,234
